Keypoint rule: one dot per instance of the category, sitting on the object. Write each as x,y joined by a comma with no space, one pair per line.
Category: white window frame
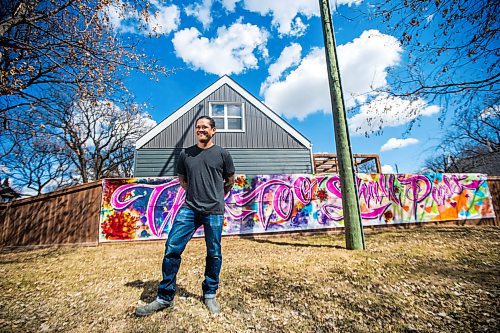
226,117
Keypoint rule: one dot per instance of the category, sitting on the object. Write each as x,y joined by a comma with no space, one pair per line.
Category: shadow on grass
294,295
281,243
463,270
150,289
19,255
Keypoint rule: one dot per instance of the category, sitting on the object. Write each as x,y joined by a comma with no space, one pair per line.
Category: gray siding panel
162,162
260,130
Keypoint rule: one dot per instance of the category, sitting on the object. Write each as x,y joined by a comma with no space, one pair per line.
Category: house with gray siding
259,140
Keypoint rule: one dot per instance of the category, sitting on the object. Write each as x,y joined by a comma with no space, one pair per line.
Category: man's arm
182,180
228,183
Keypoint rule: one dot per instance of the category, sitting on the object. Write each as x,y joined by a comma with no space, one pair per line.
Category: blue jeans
183,228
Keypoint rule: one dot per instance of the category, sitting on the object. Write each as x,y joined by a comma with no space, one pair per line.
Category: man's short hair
210,119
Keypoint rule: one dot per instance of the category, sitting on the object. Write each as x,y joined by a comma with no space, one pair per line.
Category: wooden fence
494,186
71,216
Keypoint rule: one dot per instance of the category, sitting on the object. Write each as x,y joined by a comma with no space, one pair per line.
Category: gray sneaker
212,305
154,306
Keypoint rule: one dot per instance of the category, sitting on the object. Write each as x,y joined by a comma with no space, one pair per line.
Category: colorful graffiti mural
145,208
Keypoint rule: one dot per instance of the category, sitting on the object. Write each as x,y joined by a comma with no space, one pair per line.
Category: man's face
204,132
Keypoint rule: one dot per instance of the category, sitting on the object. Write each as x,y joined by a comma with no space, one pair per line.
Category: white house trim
204,94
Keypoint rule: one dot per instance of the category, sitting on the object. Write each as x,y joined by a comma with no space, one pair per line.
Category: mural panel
145,208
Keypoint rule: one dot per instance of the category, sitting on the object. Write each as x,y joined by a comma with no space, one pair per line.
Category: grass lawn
432,279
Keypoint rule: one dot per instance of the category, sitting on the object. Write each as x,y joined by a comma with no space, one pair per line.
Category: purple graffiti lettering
172,213
244,198
473,185
440,193
452,184
419,187
371,190
456,184
332,212
119,204
303,188
283,195
375,213
293,201
395,197
244,213
382,184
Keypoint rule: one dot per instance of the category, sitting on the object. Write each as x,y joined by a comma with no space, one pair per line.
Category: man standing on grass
206,173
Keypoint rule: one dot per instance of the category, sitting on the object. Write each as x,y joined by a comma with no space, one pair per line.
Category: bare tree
64,43
452,46
66,116
471,144
98,135
77,142
367,167
37,164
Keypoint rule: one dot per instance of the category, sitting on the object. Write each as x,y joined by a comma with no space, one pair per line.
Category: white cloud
166,19
201,11
387,168
490,112
388,111
298,27
229,4
363,65
284,13
303,91
290,56
231,51
124,18
394,143
364,62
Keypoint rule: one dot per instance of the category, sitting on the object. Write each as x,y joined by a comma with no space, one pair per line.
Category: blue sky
274,49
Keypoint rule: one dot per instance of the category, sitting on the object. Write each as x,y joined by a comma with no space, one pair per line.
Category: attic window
229,117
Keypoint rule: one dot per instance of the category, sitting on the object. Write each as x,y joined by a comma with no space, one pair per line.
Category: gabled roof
204,94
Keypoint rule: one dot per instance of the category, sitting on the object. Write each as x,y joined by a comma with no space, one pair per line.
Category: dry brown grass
433,279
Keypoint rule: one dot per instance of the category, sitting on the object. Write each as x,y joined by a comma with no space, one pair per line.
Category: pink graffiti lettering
332,211
304,188
452,184
394,193
419,188
119,204
371,190
283,192
333,186
283,199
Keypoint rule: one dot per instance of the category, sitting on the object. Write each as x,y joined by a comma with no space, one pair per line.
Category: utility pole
350,202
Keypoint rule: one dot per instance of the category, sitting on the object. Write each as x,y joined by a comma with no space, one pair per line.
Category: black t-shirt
205,170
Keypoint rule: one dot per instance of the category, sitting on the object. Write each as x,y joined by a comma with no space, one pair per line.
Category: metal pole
352,218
